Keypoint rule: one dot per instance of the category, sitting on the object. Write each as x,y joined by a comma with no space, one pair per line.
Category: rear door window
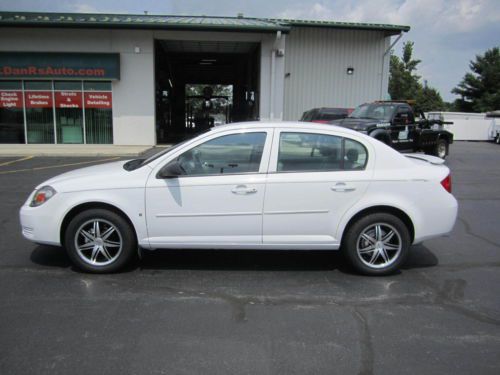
312,152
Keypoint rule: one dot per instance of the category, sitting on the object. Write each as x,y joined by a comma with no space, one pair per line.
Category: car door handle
243,189
341,187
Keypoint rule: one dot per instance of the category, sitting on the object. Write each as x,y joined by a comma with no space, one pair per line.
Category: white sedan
249,186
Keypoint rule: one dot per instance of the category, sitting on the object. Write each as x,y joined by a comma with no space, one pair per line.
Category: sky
447,33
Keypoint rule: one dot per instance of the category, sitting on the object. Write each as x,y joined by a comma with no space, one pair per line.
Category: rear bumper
442,223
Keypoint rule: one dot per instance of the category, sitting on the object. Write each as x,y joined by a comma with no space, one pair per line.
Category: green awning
125,21
167,22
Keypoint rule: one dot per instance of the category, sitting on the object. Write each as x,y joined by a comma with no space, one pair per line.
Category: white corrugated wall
316,61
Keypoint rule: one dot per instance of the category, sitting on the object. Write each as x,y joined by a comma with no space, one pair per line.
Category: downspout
273,73
383,63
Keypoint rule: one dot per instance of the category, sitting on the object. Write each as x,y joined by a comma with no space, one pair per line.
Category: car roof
300,125
328,109
385,103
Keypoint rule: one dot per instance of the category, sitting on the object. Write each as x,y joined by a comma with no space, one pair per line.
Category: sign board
38,99
98,99
11,99
53,65
68,99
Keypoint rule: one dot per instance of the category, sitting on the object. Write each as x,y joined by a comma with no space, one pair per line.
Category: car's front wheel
377,244
100,241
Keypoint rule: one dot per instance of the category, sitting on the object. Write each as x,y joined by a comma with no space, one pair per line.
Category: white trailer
466,126
495,126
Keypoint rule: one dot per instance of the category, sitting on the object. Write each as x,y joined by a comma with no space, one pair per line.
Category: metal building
146,79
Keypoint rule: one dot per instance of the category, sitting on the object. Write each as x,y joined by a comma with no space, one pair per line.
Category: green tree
480,89
403,81
429,99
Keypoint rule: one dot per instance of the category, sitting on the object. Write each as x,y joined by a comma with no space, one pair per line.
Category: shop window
56,111
38,85
68,85
96,86
98,112
10,85
69,111
39,111
11,112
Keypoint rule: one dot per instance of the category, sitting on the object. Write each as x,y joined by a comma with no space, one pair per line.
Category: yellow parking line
15,161
59,165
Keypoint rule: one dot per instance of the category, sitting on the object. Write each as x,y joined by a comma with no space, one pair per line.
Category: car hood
357,123
102,176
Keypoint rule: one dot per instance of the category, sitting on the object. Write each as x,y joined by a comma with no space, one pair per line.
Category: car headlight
42,195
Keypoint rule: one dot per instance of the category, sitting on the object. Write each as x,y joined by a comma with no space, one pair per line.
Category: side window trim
273,157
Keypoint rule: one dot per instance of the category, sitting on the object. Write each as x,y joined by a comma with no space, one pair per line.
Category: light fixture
170,82
350,71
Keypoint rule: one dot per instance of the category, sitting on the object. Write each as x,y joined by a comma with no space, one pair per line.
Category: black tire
440,149
497,139
107,259
360,259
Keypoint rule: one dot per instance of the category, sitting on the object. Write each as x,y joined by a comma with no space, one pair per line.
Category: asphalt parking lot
256,312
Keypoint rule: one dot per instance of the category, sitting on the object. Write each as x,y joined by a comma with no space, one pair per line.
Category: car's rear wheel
440,149
100,241
377,244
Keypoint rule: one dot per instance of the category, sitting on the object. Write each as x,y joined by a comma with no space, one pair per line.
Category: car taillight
446,183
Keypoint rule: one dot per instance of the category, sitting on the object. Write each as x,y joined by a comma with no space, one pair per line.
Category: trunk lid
426,158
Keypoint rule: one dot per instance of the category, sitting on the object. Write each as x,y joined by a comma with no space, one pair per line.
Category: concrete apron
7,150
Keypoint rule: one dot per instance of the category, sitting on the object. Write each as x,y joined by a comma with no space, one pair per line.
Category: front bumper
39,224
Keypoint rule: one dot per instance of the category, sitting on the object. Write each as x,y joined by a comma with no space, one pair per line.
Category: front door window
229,154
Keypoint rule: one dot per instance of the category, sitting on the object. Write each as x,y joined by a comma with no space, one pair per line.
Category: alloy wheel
98,242
379,245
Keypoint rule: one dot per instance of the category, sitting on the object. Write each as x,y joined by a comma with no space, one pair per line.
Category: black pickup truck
395,124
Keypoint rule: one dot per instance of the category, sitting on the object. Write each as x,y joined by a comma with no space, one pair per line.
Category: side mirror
171,170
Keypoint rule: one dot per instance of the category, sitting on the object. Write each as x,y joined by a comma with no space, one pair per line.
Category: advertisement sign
98,99
38,99
59,65
11,99
68,99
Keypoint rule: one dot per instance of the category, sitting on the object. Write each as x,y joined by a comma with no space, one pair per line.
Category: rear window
334,115
324,114
309,115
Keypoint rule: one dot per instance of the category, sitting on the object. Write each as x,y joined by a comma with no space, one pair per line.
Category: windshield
137,163
374,111
163,152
